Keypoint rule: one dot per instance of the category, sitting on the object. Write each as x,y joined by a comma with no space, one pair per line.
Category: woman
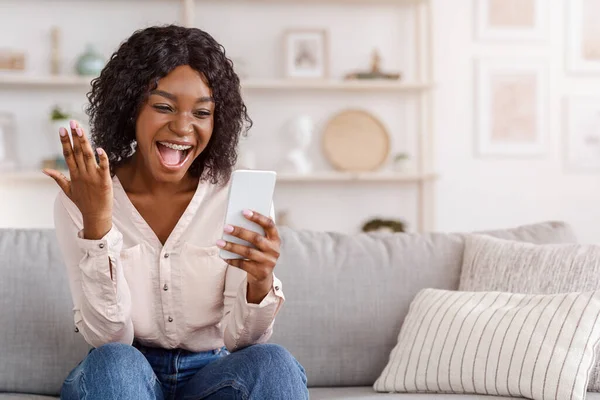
140,225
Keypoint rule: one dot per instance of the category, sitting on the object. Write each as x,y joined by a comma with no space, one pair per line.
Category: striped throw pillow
496,343
492,264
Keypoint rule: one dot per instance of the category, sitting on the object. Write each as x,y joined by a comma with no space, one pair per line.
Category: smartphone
248,190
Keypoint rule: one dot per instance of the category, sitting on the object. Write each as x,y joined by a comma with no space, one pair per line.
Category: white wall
473,193
479,193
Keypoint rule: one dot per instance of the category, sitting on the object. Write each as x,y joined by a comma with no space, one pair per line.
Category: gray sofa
347,296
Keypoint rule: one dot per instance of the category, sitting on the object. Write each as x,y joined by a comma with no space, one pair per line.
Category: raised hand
90,183
258,262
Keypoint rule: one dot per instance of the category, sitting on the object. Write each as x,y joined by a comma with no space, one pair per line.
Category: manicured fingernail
62,131
228,228
247,213
73,124
79,132
221,243
99,151
45,172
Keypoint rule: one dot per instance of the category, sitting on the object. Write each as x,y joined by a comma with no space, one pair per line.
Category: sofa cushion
37,339
367,393
492,264
347,295
536,346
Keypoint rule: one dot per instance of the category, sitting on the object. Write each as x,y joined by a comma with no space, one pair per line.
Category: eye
164,108
202,114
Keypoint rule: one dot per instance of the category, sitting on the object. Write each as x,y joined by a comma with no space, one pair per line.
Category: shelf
323,177
370,2
17,79
332,177
295,84
29,176
22,80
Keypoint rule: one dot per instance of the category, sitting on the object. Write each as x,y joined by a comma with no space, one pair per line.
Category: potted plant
400,161
58,118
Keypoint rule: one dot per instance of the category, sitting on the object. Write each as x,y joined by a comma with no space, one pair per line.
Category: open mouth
173,155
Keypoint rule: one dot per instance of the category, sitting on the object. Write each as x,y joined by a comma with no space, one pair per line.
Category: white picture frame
582,134
511,20
511,107
583,37
306,53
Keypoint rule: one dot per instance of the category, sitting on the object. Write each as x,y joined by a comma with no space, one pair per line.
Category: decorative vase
298,140
90,63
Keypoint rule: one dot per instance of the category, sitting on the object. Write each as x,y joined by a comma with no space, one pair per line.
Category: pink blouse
180,295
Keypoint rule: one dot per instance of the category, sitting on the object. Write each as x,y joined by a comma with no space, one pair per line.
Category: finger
103,160
258,240
248,266
246,252
265,222
68,151
60,179
252,268
86,149
77,148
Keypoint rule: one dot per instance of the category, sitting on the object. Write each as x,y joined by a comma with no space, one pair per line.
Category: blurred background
412,115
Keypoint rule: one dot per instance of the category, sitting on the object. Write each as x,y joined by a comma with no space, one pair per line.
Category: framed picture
511,107
510,19
583,38
306,53
582,125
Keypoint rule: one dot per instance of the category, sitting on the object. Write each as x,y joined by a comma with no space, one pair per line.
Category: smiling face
175,124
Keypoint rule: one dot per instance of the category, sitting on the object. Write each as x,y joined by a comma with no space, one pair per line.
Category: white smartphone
248,190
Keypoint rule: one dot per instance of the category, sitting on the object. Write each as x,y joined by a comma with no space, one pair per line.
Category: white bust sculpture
298,139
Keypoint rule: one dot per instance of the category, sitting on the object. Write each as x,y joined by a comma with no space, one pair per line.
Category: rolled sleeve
100,267
253,323
109,245
101,300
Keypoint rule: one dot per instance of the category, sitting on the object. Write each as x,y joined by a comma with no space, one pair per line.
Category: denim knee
273,357
118,369
116,358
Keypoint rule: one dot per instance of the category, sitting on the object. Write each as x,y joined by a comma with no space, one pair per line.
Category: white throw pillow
534,346
492,264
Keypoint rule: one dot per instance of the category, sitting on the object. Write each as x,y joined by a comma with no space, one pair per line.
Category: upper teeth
175,146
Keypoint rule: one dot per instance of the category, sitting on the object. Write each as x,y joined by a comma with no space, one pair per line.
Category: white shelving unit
421,87
424,177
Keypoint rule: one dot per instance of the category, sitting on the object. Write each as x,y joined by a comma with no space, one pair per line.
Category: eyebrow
170,96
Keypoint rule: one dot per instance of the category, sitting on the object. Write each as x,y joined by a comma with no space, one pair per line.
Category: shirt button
101,245
166,255
165,288
170,319
276,287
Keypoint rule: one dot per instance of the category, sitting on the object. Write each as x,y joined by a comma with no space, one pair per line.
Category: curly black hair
133,71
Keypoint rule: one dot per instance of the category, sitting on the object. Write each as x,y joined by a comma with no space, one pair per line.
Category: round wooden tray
354,140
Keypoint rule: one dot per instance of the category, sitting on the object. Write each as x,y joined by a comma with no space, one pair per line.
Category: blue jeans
117,371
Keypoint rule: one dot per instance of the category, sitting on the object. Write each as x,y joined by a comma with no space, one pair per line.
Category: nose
182,124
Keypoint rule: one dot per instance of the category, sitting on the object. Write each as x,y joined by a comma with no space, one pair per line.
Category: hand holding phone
249,190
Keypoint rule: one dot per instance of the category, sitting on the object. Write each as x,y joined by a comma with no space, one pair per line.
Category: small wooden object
375,72
12,60
55,51
356,141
